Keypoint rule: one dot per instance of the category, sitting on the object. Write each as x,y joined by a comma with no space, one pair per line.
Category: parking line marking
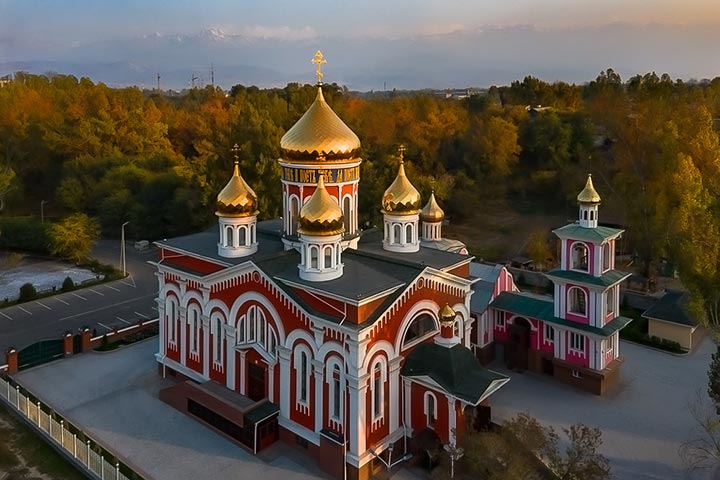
79,296
95,291
103,325
61,301
43,305
124,321
21,308
112,288
6,316
141,315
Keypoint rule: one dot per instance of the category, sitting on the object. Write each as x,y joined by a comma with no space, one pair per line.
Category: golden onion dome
237,199
320,133
589,194
431,212
321,215
447,315
401,198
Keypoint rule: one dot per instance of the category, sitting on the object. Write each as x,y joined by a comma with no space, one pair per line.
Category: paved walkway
113,396
644,421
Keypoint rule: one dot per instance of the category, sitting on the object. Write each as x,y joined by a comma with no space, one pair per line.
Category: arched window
409,237
379,376
457,331
585,213
273,342
294,209
194,329
592,215
313,256
335,390
302,375
430,407
347,213
607,256
419,328
610,301
229,236
328,257
241,327
580,257
172,318
251,324
242,237
218,336
577,301
252,233
262,329
397,229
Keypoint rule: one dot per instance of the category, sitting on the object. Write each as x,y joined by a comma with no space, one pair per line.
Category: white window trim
378,414
431,333
576,351
172,314
193,316
302,404
499,319
569,301
425,408
572,258
549,334
335,421
216,326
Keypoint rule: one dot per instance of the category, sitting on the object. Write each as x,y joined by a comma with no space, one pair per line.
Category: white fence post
38,413
117,471
102,467
74,445
50,422
88,455
17,397
62,433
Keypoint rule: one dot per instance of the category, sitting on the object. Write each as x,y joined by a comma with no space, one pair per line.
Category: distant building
670,319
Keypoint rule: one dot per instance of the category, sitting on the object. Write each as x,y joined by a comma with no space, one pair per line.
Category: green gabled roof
597,235
455,369
540,307
608,278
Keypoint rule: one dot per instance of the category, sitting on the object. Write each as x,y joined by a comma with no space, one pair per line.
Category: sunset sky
86,32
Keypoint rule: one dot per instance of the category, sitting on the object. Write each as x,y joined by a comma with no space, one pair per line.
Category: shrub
24,233
28,292
67,285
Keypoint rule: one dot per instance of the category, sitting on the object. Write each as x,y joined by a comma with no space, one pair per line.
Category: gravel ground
644,420
43,274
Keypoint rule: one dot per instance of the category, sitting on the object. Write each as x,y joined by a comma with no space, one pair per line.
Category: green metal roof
597,235
540,307
608,278
455,369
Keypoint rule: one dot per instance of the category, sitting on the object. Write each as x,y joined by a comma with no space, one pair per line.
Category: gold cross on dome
236,151
401,152
319,60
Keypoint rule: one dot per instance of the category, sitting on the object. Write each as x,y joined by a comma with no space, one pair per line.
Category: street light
455,454
42,211
122,248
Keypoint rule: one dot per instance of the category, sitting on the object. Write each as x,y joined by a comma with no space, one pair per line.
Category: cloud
265,32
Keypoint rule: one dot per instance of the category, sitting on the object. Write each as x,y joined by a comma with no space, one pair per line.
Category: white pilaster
242,368
452,418
183,335
406,400
206,357
394,368
358,413
271,381
284,356
230,341
319,371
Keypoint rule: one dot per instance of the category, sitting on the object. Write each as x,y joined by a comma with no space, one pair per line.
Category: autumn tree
74,237
538,248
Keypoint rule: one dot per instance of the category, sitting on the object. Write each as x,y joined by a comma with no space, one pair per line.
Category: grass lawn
24,455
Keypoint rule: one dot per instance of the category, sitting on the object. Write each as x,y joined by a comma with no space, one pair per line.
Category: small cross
401,152
319,60
432,184
236,151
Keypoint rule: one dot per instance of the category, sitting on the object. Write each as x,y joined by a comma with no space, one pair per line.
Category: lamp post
389,463
454,452
42,210
122,248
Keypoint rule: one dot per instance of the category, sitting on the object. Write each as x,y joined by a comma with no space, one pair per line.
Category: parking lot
644,420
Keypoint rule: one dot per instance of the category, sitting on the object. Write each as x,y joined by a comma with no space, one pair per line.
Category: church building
348,344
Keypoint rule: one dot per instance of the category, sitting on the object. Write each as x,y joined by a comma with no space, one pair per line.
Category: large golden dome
431,212
401,198
237,199
321,215
589,194
320,133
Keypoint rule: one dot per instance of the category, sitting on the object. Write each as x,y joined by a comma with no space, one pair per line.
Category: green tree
538,248
74,236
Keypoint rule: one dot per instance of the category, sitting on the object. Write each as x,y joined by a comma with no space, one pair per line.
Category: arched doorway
516,349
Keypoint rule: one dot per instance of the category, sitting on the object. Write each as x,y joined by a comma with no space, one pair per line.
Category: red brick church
350,344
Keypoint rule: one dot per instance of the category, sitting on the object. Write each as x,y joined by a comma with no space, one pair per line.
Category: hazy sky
73,21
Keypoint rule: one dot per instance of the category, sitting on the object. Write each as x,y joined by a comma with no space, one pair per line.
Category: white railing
125,329
57,432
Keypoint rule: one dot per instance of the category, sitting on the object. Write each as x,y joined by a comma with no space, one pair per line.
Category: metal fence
88,453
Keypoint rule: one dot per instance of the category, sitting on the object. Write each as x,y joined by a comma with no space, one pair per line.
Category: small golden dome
320,133
237,199
431,212
401,198
589,194
447,315
321,215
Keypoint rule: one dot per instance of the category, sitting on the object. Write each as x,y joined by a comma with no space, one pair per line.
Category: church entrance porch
251,423
518,345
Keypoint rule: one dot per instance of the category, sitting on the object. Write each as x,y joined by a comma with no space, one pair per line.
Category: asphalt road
102,307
